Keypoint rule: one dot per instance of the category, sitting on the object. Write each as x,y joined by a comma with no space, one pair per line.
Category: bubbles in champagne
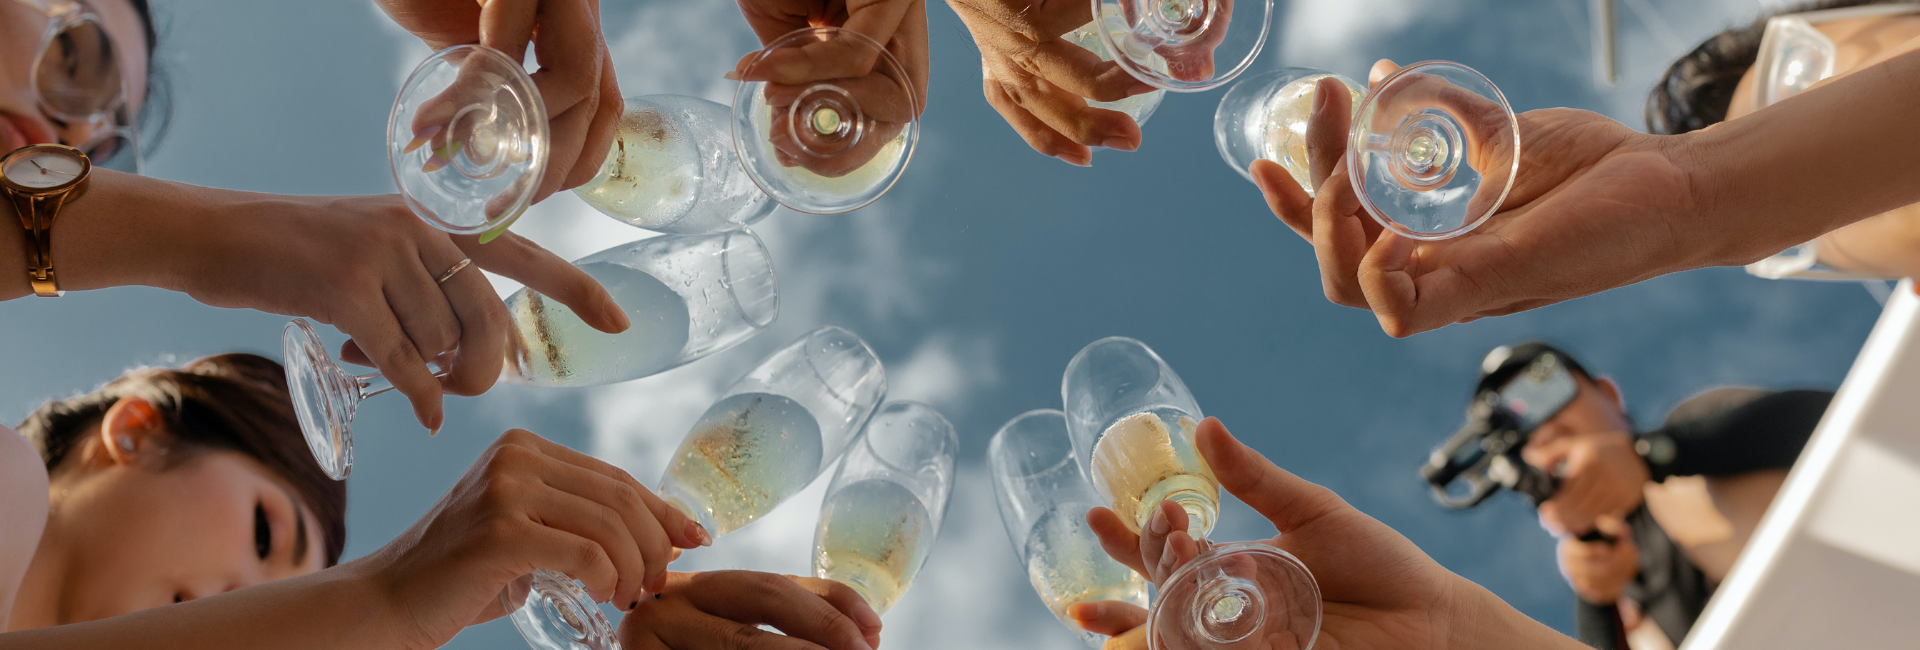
547,345
672,169
745,456
1140,462
873,536
1139,107
1067,566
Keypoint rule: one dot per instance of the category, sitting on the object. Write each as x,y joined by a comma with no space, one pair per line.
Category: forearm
127,230
1805,166
335,608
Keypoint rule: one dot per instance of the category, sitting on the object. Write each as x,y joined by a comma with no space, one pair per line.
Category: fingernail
698,534
731,75
442,157
1087,611
633,606
1119,143
434,423
1319,100
659,584
1072,160
421,138
1159,525
619,317
866,618
861,644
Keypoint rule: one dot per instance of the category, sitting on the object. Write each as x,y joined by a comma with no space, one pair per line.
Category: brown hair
234,402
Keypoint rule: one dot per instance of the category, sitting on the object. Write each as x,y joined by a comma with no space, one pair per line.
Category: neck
37,604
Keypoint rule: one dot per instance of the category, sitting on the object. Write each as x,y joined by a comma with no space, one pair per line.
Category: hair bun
242,366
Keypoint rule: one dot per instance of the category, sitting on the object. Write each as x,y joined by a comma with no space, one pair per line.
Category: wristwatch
38,180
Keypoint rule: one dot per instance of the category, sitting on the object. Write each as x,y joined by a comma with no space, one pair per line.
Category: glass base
468,139
1433,151
1237,593
324,397
553,612
1184,45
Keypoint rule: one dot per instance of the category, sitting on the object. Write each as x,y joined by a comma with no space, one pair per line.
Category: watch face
43,167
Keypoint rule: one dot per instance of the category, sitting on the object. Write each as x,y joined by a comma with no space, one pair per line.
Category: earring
126,444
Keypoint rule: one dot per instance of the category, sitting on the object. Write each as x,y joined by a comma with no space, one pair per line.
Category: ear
130,431
1612,391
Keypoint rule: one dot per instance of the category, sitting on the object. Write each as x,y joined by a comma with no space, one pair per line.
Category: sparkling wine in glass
835,140
687,297
1044,497
1132,421
1432,152
773,431
884,506
468,140
672,169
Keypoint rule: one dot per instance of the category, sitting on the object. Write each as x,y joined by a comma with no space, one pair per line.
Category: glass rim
997,443
726,271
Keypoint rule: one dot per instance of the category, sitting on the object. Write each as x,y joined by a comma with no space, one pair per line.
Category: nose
81,134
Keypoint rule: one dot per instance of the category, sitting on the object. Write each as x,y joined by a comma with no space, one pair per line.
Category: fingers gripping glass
468,140
1044,496
831,139
686,296
78,82
1432,150
1133,423
883,510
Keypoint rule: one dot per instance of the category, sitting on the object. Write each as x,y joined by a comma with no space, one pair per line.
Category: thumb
1612,526
1107,617
1284,499
1381,70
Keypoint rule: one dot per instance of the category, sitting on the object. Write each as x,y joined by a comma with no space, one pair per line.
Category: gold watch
38,180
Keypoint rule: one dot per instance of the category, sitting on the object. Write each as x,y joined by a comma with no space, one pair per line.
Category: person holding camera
1648,523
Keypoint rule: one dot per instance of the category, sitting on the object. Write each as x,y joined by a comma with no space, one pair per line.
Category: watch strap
36,221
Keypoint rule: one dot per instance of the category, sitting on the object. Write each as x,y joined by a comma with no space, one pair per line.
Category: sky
975,280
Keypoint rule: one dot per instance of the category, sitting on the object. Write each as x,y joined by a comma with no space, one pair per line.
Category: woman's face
22,31
134,537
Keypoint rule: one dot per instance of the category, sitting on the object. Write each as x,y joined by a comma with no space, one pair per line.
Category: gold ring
456,269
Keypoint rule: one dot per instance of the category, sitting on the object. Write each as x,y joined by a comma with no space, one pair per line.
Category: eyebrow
299,526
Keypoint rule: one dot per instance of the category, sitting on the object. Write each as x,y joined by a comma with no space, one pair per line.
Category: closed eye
262,531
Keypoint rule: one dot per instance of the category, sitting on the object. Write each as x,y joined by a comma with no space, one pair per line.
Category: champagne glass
687,297
554,612
1139,107
1044,498
1183,45
775,430
830,144
1132,422
1433,150
672,169
884,506
468,140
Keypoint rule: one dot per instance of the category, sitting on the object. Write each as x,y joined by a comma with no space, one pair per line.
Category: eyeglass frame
1770,40
110,122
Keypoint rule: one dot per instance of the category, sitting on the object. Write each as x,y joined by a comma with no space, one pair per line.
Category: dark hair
1698,88
230,402
156,106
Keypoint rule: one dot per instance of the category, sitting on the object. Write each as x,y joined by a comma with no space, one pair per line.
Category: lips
17,131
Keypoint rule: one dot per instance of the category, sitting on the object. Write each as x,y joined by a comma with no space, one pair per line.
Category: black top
1767,432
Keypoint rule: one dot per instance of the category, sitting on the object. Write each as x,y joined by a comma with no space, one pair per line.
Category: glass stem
374,384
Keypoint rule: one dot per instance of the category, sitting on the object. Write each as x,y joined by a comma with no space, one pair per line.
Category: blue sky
975,280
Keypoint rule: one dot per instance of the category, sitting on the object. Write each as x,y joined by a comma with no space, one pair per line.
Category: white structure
1835,562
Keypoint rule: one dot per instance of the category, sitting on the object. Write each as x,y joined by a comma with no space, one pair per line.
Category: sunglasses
1794,55
78,80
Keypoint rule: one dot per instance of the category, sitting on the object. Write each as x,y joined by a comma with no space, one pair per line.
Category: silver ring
456,269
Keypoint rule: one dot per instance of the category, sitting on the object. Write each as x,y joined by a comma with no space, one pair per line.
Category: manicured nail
421,139
658,584
866,618
442,157
1072,159
1087,611
1159,524
731,75
1119,143
633,606
434,423
698,534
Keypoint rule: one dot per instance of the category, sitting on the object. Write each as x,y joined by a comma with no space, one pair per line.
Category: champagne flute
1044,498
1132,422
468,140
672,169
835,142
883,509
773,431
687,297
1432,153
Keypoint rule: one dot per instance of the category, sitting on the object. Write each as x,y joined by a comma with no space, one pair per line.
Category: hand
526,504
368,266
576,77
900,26
1600,571
1596,205
1041,83
1377,589
1600,476
724,609
1124,623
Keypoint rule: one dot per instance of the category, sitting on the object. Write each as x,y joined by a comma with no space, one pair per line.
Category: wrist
1482,620
128,230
